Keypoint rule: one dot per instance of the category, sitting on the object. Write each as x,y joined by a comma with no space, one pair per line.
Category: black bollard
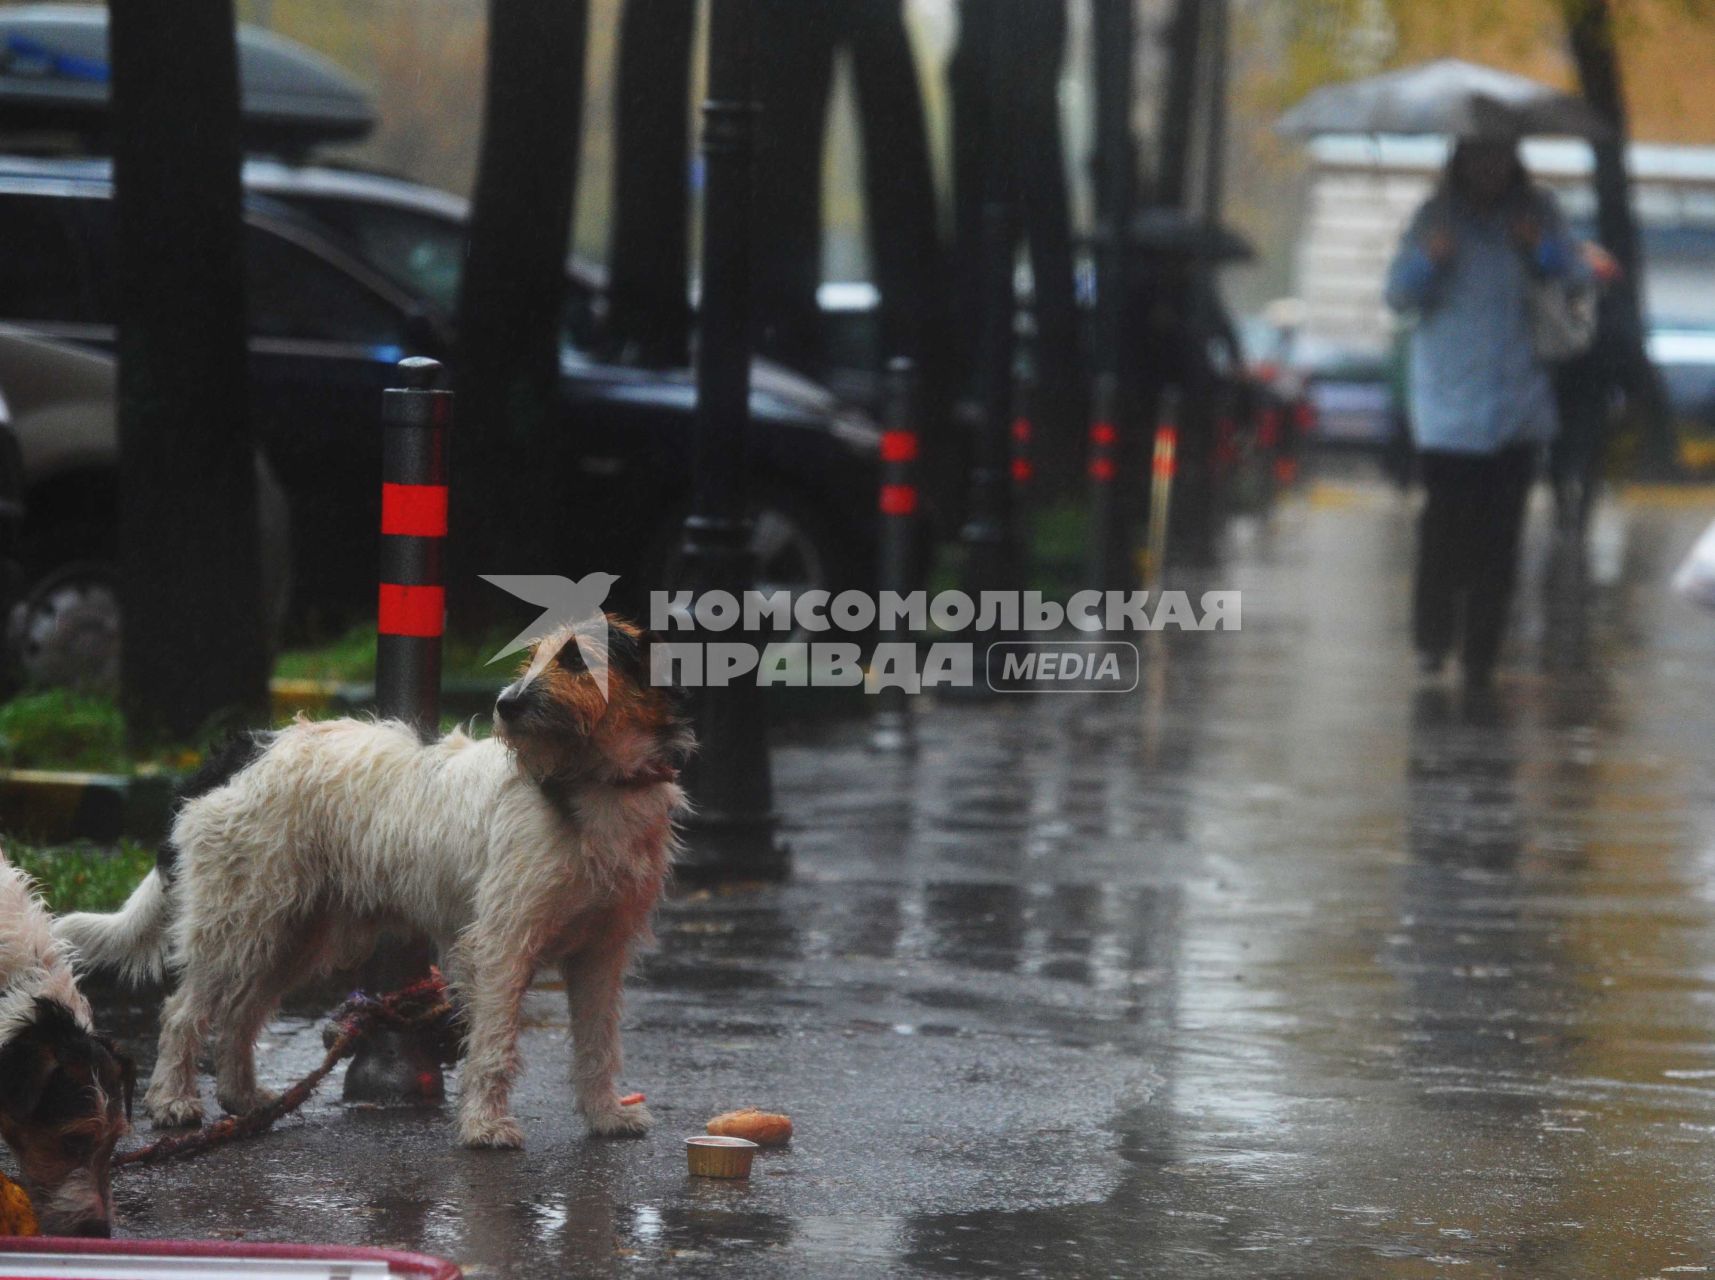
1163,470
403,1066
733,834
1023,462
892,728
1107,519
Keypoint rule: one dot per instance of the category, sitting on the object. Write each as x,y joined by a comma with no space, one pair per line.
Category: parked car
346,273
62,625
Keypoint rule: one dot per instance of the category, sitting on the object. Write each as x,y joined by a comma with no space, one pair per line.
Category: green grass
83,877
351,658
60,729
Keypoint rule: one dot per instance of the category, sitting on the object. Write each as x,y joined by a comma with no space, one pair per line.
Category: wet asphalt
1289,963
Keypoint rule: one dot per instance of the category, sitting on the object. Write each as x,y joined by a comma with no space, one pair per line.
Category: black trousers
1467,555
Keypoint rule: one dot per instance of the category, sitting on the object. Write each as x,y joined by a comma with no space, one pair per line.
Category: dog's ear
27,1065
126,1067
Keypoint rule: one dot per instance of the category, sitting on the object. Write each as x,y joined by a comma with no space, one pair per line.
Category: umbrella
1447,96
54,75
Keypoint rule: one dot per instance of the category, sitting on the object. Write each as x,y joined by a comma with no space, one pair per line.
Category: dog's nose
508,703
95,1229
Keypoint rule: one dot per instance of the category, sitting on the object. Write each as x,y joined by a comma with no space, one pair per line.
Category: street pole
1112,447
1196,517
733,834
392,1065
987,537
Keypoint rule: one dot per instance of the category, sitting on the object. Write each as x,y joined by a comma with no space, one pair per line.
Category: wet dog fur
65,1091
548,843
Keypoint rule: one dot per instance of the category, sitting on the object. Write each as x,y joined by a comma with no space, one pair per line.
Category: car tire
65,629
797,548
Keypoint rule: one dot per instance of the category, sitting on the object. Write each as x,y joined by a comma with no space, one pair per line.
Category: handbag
1562,318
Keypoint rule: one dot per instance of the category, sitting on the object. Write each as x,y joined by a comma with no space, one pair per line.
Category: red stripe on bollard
411,611
1021,430
414,510
1166,452
1103,433
1103,470
898,499
1022,471
899,446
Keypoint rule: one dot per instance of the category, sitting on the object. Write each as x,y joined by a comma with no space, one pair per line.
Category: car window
425,255
41,273
294,293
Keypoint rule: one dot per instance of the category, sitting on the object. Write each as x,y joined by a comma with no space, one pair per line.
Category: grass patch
83,877
347,660
351,658
61,729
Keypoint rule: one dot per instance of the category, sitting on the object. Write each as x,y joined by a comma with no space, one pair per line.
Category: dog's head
584,704
65,1100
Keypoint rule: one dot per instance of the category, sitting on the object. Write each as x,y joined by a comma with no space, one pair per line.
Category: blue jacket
1476,385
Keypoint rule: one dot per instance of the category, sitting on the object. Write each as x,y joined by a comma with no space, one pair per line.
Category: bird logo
564,603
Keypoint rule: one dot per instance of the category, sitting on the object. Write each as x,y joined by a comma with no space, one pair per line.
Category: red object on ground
632,1100
159,1256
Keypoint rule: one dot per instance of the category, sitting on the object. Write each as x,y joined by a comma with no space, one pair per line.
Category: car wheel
795,551
65,630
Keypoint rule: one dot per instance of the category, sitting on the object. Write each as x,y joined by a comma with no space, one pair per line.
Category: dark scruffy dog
65,1092
547,844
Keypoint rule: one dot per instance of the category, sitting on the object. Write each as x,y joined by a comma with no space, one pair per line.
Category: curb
53,807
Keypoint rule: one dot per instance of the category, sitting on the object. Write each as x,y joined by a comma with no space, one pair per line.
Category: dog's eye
570,656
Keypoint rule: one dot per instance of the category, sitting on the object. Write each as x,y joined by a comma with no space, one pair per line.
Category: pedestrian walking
1481,262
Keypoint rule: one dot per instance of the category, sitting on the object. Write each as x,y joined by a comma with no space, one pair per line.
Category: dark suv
346,273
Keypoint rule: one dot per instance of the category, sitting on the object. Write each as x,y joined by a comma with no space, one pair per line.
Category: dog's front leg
493,996
595,983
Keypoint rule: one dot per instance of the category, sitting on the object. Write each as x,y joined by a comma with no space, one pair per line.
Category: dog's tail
132,942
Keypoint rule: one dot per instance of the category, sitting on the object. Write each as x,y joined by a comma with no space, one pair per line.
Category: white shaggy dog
549,843
65,1092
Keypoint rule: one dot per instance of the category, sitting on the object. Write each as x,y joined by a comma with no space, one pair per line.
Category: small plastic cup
712,1157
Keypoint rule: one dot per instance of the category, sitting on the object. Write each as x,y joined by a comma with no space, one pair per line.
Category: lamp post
733,834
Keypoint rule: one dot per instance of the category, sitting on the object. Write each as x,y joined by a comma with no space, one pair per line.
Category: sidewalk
1284,965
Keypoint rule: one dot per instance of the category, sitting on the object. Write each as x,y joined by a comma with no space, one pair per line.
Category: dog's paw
497,1133
176,1113
620,1122
244,1104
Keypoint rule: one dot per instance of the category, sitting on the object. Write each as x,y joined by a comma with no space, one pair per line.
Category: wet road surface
1288,964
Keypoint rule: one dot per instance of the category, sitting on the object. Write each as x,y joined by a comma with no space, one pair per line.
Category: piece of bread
764,1128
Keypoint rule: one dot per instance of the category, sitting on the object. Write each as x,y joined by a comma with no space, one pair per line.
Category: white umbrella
1447,96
